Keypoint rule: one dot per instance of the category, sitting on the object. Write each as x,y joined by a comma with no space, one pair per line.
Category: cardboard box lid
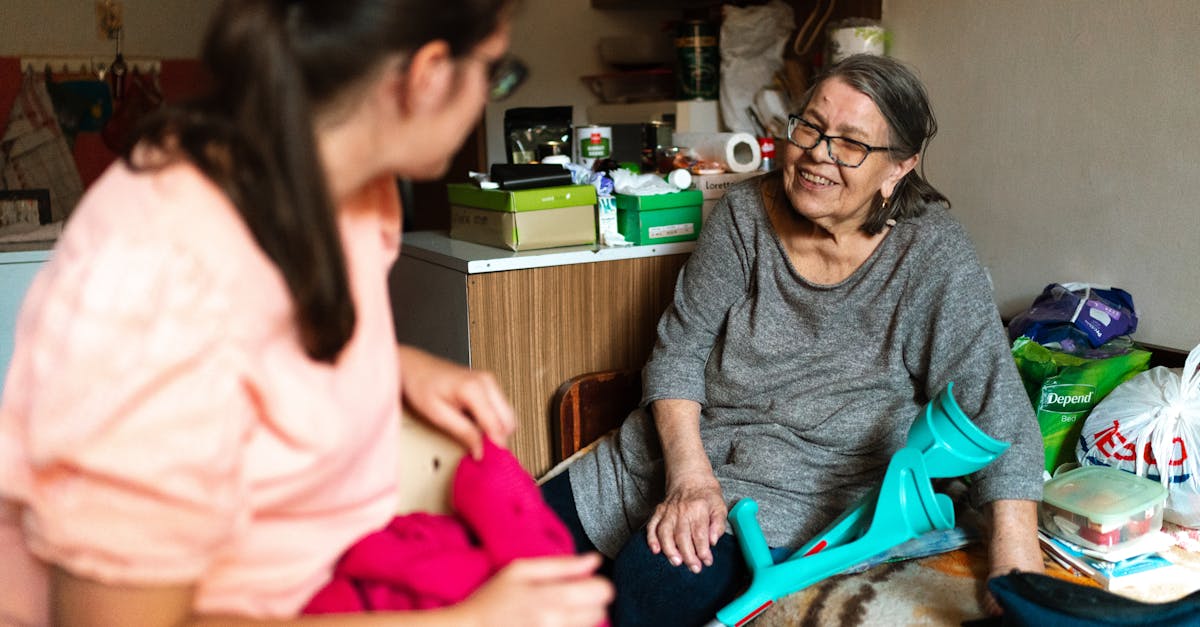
714,185
683,198
468,195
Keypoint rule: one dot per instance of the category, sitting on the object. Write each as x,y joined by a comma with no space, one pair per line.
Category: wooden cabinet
533,319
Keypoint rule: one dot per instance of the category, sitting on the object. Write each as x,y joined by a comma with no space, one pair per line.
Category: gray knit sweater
808,389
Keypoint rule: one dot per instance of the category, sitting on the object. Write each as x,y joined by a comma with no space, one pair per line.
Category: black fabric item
1038,600
529,175
558,495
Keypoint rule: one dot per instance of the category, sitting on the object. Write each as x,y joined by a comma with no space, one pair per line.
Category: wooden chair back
590,405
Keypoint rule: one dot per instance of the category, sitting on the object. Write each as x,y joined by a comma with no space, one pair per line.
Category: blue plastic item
942,442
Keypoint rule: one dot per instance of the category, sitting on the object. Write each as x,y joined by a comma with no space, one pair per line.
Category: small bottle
766,146
681,179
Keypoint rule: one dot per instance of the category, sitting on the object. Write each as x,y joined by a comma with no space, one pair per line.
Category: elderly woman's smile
819,181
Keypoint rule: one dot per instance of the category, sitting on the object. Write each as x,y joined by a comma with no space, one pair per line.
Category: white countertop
437,247
24,253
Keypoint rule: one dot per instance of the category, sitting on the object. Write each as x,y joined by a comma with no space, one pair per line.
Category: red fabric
422,561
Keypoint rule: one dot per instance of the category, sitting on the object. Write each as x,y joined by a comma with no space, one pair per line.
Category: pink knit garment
422,561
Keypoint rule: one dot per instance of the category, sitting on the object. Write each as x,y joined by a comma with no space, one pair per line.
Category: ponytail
254,137
911,198
274,63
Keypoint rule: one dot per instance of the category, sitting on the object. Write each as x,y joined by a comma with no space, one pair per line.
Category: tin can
699,60
593,142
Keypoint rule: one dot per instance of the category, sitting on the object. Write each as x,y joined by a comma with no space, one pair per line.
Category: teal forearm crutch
942,442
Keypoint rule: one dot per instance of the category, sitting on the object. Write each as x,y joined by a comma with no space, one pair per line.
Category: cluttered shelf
1118,420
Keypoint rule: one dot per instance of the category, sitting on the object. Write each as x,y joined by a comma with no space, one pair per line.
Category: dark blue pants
650,591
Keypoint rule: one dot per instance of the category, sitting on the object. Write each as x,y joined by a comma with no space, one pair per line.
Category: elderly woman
823,307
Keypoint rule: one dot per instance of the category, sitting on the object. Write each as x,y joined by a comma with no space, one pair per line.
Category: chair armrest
428,459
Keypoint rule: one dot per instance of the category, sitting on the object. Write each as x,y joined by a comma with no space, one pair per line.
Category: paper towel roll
738,152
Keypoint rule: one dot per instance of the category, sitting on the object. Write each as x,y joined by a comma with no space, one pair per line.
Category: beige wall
169,29
1068,143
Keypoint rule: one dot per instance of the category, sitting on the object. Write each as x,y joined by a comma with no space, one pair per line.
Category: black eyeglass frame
505,75
795,120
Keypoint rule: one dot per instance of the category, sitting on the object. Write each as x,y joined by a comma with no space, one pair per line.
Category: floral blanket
938,590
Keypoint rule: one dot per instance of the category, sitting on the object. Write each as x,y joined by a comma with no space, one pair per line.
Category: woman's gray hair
902,100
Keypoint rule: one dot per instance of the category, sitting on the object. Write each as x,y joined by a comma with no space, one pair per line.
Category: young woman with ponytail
201,412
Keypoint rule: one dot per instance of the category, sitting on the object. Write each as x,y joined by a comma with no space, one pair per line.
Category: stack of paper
1145,569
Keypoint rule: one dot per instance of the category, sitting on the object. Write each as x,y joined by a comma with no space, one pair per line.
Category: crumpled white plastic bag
1150,426
752,44
626,182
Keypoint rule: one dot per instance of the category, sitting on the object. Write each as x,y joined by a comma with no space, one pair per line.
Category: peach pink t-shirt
161,422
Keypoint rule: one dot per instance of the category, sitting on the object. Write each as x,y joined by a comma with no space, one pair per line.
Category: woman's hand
689,521
1012,544
542,592
463,403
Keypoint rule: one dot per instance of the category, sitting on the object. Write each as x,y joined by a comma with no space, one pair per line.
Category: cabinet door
15,278
429,306
536,328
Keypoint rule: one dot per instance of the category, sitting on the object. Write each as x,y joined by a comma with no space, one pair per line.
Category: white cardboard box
524,230
713,186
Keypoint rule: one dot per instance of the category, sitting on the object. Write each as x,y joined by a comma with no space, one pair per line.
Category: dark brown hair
273,63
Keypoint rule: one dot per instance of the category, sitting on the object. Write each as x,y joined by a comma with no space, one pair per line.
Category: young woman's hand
463,403
542,592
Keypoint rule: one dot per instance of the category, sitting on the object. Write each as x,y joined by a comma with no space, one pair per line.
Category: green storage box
468,195
660,218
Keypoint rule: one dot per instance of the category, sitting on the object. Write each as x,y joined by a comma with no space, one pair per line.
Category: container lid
682,198
1103,494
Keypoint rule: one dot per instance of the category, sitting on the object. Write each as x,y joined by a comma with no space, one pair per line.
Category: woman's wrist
1012,542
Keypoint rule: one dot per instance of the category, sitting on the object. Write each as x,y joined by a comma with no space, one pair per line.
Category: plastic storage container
1101,508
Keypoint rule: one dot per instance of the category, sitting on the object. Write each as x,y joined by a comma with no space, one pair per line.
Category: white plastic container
1101,508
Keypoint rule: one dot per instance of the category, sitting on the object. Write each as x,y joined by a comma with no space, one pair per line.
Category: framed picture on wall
28,207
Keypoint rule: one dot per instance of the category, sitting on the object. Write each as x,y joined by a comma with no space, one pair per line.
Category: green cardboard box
683,198
537,199
660,218
524,230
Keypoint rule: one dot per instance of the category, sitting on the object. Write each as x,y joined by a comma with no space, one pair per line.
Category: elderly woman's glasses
505,75
844,151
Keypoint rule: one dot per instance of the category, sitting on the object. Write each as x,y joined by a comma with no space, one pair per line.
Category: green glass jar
699,60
